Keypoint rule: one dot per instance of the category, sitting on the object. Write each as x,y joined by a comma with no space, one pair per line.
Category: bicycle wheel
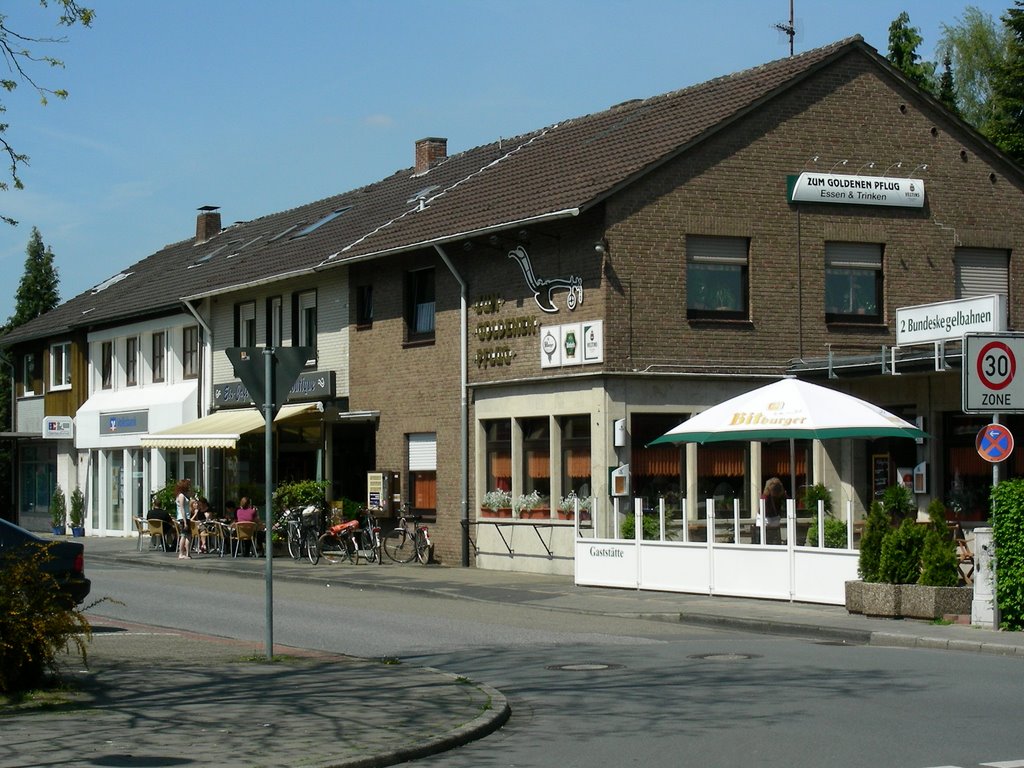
332,548
366,548
422,547
398,545
312,547
294,542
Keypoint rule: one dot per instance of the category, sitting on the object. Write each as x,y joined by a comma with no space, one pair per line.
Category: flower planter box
540,513
566,515
59,530
918,601
500,512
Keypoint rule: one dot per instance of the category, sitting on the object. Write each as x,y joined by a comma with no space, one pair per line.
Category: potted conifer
77,513
58,512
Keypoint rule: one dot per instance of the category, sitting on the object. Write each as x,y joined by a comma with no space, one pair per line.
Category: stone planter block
855,596
920,602
881,599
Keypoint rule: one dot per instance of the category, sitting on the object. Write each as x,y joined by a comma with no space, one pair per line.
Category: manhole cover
723,656
583,667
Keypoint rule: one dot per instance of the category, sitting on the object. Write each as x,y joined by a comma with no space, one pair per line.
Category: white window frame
247,324
158,374
63,351
28,371
185,372
307,306
276,322
131,367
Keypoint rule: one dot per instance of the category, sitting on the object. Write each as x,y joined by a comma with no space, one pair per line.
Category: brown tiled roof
558,170
576,163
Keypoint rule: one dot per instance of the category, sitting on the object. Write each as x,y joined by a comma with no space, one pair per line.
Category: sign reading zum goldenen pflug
856,190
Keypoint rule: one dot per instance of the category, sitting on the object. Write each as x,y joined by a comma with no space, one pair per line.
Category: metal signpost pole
268,411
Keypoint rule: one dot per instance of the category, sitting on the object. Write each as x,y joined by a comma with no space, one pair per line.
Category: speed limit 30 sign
992,382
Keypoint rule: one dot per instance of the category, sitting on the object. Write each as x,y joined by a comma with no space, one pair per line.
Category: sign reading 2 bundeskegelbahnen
856,190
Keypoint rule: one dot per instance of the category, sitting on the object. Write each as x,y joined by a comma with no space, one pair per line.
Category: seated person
246,513
157,512
205,515
229,511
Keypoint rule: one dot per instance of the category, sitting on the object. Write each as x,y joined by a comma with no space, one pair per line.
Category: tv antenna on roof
789,30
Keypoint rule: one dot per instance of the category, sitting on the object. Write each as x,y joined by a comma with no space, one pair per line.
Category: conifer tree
1006,129
38,292
903,42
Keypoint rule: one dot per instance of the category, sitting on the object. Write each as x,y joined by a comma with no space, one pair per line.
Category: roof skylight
423,194
321,221
111,281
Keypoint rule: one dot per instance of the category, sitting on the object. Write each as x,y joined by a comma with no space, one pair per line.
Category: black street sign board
286,365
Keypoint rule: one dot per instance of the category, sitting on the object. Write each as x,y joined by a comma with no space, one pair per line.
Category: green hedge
1007,504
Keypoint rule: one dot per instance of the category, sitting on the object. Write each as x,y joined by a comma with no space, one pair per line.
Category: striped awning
223,428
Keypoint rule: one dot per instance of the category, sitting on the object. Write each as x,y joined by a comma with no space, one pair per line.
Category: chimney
429,152
207,223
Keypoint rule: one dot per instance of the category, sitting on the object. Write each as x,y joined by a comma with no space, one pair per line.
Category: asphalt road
591,690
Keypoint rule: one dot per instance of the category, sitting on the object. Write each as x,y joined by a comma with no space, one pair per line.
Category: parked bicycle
303,530
409,540
352,539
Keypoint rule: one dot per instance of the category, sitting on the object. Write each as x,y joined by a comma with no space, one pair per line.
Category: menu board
880,474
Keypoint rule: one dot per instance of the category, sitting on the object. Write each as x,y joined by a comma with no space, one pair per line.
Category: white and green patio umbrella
790,409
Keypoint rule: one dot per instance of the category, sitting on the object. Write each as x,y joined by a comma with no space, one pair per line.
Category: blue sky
259,107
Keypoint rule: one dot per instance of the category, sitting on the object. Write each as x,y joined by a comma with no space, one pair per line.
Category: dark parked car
65,561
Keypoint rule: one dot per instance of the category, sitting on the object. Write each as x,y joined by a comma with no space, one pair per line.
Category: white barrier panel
821,574
778,572
675,567
752,571
606,563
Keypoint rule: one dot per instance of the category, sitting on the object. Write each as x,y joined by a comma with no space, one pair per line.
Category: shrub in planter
77,513
900,560
938,556
58,510
835,533
898,503
875,527
649,527
813,494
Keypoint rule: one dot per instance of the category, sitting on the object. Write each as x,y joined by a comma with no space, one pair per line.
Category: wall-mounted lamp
897,164
601,247
870,164
840,162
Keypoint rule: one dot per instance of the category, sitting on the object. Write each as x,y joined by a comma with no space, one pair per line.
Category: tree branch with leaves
17,51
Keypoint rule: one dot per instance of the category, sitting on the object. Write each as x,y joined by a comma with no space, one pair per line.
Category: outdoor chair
142,529
964,555
245,533
156,528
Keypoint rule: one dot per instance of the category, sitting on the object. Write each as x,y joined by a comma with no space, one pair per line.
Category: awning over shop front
222,429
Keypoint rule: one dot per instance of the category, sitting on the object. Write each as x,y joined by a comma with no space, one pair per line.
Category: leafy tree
903,42
976,47
21,62
1006,128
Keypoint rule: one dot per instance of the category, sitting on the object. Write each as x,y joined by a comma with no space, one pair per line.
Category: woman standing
181,504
